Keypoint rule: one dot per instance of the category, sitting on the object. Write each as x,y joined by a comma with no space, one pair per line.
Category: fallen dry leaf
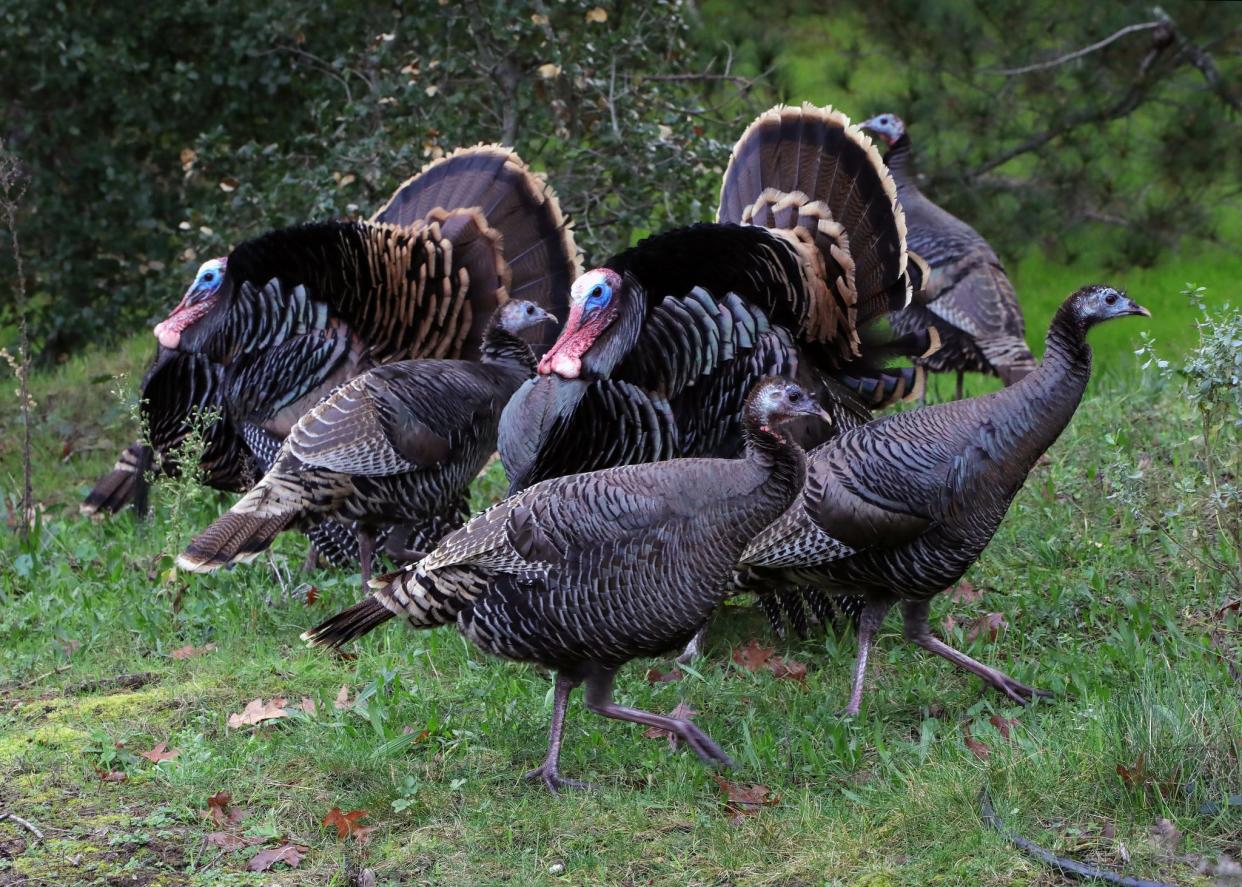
113,775
788,669
1165,836
682,712
982,752
161,752
220,811
190,650
753,656
949,624
655,676
1135,774
307,705
965,593
348,825
228,842
341,703
1003,725
988,626
290,854
257,711
744,800
598,15
312,595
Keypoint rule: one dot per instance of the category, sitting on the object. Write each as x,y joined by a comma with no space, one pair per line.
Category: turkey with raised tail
398,444
664,340
967,295
581,574
288,316
900,508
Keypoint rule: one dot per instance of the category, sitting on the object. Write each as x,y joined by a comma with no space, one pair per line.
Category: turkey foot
549,771
918,631
599,700
871,619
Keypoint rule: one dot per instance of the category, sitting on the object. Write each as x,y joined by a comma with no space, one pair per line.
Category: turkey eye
1111,299
795,396
597,291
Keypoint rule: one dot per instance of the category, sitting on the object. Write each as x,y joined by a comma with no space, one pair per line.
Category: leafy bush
154,141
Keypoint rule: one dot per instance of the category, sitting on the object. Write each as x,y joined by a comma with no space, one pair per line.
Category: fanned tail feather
235,537
536,240
349,624
125,483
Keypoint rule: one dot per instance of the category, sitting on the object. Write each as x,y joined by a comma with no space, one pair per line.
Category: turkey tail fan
242,533
349,624
883,388
536,239
120,486
816,156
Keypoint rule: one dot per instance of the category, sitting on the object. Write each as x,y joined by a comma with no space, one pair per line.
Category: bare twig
13,187
26,824
1079,53
1069,867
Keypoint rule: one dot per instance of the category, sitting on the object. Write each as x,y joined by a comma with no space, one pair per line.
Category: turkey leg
918,631
871,619
366,553
550,771
599,700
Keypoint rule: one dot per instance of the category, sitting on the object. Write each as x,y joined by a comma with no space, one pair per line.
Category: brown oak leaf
228,842
655,676
113,775
988,626
290,854
982,752
965,593
744,800
1003,725
190,650
348,825
257,711
341,703
220,810
752,656
788,669
161,752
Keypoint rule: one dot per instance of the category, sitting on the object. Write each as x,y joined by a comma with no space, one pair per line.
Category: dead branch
1079,53
27,825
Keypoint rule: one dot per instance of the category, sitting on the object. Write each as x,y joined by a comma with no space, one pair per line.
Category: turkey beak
542,316
1138,309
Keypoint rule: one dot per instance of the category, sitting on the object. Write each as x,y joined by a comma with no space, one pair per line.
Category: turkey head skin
199,299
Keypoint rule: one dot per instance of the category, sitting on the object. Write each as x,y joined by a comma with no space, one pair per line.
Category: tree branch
1086,50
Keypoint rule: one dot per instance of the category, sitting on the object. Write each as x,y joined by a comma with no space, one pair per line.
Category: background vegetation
149,142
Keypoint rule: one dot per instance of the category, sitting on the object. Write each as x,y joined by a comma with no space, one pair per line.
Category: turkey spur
583,573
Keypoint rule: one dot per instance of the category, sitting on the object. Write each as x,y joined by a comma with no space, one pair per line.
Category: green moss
49,736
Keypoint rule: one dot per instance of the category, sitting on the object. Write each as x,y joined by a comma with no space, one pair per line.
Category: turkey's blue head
1098,302
887,126
197,301
595,302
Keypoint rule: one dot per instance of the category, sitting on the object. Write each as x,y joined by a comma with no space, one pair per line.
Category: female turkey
900,508
290,315
582,574
967,295
398,444
664,339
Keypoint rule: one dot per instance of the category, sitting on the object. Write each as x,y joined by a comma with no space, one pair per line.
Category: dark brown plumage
398,444
264,334
967,295
900,508
584,573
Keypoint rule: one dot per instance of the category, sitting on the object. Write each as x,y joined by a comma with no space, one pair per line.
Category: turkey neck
782,459
1037,409
502,346
900,164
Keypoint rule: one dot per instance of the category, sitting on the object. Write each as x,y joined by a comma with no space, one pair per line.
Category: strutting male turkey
288,316
967,295
900,508
581,574
398,444
664,340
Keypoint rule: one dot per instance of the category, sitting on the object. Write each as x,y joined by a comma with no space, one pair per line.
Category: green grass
1115,619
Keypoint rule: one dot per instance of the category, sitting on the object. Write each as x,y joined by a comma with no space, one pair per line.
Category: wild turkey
967,296
290,315
664,339
581,574
398,444
899,509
